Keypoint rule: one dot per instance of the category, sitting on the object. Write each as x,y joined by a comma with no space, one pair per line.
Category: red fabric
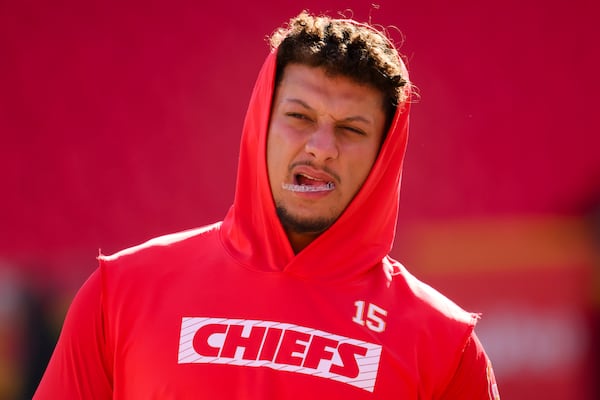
228,311
474,375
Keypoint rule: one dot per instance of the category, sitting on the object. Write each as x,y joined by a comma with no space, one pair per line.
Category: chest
224,335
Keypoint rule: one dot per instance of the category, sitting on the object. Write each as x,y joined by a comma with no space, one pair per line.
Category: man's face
324,136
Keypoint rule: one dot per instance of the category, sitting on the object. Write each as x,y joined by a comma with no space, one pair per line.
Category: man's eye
296,115
354,130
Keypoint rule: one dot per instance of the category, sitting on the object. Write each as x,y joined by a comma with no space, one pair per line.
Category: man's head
338,84
343,47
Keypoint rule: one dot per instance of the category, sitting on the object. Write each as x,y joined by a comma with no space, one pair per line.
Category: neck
299,241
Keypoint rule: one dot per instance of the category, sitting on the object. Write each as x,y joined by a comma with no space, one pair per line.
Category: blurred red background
120,121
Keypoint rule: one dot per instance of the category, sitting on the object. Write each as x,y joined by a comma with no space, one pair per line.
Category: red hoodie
228,311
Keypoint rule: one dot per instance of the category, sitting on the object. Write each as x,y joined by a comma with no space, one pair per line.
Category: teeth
306,188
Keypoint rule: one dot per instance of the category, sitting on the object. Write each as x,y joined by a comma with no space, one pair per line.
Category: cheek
274,156
270,156
283,146
363,161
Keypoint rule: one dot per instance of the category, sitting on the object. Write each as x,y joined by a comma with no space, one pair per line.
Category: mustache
311,164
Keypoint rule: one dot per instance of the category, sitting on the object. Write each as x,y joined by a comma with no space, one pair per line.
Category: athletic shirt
228,311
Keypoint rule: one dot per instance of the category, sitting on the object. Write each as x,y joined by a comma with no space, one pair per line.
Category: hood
357,242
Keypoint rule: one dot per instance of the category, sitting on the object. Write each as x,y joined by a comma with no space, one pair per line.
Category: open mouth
307,183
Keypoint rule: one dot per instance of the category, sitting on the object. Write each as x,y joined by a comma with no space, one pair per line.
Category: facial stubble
299,225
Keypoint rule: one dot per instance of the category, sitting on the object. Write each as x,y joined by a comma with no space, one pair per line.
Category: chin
303,224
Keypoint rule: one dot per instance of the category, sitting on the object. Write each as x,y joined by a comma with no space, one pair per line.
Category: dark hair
343,47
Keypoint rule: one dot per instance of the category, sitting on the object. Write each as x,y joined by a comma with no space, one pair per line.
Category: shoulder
153,260
440,329
136,276
174,242
431,303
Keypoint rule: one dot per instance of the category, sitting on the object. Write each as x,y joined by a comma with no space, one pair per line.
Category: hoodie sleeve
78,367
474,378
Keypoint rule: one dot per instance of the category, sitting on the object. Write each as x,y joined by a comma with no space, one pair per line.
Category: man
293,295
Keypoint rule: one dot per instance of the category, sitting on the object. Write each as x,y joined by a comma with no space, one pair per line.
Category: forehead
316,85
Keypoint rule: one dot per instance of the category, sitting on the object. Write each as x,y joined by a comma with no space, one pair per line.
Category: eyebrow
354,118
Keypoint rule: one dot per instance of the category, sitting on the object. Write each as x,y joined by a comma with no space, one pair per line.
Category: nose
322,143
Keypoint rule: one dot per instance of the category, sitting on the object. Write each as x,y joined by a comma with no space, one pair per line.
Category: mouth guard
308,188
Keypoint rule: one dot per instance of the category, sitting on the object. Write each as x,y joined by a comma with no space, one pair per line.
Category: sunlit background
120,121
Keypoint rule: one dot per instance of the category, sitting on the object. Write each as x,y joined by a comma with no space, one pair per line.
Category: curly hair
343,47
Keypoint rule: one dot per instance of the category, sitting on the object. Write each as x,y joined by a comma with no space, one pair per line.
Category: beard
302,225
